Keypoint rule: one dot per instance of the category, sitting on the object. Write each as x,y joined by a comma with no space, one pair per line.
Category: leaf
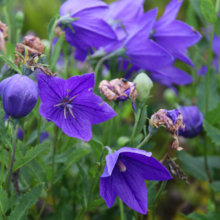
56,52
215,186
2,119
4,201
38,172
196,216
21,210
192,165
196,6
212,132
208,11
75,156
59,174
213,117
5,139
32,154
97,147
96,203
151,192
11,64
142,120
50,27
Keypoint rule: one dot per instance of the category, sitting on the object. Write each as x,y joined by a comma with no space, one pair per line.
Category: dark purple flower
170,75
175,36
43,136
124,175
72,105
20,133
88,30
19,95
193,120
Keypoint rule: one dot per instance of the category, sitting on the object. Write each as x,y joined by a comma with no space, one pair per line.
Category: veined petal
170,13
177,35
51,88
181,55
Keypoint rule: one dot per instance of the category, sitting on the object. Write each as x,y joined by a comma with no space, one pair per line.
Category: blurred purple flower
124,175
193,120
72,105
88,30
19,95
175,36
43,136
20,133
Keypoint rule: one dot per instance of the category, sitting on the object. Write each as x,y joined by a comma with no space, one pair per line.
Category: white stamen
73,98
122,167
65,112
58,104
71,112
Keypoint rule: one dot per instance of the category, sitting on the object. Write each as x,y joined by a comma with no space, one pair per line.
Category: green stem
2,164
162,186
44,205
206,161
137,117
12,158
7,18
18,32
121,209
146,139
217,6
38,129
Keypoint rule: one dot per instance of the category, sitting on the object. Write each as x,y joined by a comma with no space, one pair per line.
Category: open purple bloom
88,30
193,120
19,95
124,175
175,36
72,105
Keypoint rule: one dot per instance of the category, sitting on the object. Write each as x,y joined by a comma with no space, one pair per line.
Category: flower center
66,105
121,166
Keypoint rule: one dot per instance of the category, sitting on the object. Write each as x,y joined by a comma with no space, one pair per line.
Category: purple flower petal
181,55
216,44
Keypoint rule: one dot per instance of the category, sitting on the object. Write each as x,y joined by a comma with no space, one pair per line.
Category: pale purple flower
124,175
72,105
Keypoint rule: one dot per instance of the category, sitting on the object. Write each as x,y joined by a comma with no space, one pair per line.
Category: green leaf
75,156
196,216
196,6
2,120
208,11
93,170
4,201
142,120
50,27
212,132
21,210
5,139
213,117
56,52
97,147
38,172
192,165
96,203
215,186
31,154
11,64
151,192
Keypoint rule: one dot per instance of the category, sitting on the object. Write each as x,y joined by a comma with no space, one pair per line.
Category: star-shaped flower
124,175
72,105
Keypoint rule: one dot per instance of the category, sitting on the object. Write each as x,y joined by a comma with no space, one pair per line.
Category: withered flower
118,89
172,120
3,35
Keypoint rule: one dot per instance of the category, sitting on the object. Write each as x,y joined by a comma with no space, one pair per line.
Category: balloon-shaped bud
143,86
169,96
19,19
19,95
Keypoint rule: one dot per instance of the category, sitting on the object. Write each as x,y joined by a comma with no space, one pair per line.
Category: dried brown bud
58,31
3,35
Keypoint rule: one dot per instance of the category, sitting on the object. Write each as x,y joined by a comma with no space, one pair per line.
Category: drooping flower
124,175
19,95
172,120
193,120
72,105
84,27
174,35
119,89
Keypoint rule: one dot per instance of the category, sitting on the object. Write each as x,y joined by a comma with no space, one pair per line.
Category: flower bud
122,141
19,95
19,19
20,134
169,96
143,86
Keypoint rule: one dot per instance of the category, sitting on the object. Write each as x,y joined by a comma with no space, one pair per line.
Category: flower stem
38,130
217,6
146,139
12,158
121,209
137,117
7,18
2,164
162,186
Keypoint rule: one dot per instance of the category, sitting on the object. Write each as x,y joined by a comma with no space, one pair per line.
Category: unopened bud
143,86
19,19
122,141
169,96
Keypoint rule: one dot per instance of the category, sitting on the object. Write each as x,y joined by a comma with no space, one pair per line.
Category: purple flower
124,175
19,95
170,75
193,120
20,133
72,105
88,30
175,36
43,136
